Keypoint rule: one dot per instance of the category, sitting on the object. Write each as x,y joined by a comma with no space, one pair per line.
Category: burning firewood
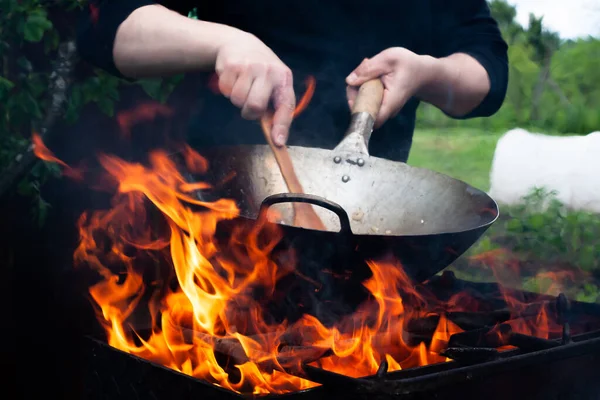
286,359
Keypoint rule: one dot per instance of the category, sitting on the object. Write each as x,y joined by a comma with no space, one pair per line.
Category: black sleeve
97,27
466,26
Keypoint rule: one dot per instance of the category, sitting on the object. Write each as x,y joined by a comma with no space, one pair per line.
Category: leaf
193,14
587,257
112,92
177,79
71,112
31,106
36,170
37,86
42,211
107,106
5,86
54,170
89,92
25,64
536,221
25,188
514,225
152,87
35,26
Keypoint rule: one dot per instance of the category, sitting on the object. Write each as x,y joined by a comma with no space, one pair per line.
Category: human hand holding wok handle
456,84
369,98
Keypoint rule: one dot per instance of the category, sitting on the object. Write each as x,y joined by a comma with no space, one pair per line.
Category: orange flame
201,318
310,90
174,290
43,153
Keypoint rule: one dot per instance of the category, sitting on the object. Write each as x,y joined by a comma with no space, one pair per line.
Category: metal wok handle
310,199
364,113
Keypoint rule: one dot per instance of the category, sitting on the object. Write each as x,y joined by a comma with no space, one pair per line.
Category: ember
171,291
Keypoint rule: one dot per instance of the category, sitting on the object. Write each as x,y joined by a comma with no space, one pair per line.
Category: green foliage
36,25
589,293
26,33
31,188
543,229
564,74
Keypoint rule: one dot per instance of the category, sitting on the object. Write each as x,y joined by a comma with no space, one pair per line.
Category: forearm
456,84
155,41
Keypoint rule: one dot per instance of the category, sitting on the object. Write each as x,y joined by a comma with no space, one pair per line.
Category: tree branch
60,80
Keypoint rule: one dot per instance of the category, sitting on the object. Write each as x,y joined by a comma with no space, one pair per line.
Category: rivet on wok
360,162
337,159
345,178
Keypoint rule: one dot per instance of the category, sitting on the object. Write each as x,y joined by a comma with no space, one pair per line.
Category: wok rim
244,214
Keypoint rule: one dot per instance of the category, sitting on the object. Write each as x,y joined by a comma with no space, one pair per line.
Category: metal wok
377,207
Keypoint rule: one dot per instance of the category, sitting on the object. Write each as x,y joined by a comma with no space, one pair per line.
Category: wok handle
309,199
363,116
369,98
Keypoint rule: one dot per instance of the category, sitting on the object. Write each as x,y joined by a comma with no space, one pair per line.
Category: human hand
252,76
402,73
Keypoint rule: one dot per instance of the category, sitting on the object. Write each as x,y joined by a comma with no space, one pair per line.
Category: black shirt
326,39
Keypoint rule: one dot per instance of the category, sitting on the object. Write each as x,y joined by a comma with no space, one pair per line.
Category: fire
191,325
43,153
173,289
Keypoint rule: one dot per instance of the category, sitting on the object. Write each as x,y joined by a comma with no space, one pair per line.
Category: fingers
257,100
284,101
393,101
367,70
386,109
390,66
227,80
351,93
370,68
241,88
254,88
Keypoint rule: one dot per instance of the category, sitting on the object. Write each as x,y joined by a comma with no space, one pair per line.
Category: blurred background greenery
554,88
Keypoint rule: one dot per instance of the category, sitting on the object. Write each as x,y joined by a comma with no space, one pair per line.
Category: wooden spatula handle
304,214
369,98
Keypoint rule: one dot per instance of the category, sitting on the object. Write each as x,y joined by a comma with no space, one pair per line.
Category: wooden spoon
304,215
368,99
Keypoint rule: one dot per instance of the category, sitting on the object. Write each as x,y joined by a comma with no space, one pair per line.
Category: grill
62,353
61,333
565,367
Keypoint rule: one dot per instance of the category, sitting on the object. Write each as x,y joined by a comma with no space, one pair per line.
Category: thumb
369,68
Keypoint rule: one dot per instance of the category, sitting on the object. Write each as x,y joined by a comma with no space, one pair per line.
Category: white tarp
570,165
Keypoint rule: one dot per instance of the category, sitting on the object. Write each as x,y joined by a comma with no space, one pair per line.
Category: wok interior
423,203
381,197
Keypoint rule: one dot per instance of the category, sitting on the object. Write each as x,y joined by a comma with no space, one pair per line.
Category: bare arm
151,40
465,75
155,41
456,84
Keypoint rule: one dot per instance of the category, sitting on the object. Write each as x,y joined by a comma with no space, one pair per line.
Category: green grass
464,154
467,154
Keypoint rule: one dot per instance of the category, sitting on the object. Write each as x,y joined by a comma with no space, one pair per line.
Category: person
449,53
